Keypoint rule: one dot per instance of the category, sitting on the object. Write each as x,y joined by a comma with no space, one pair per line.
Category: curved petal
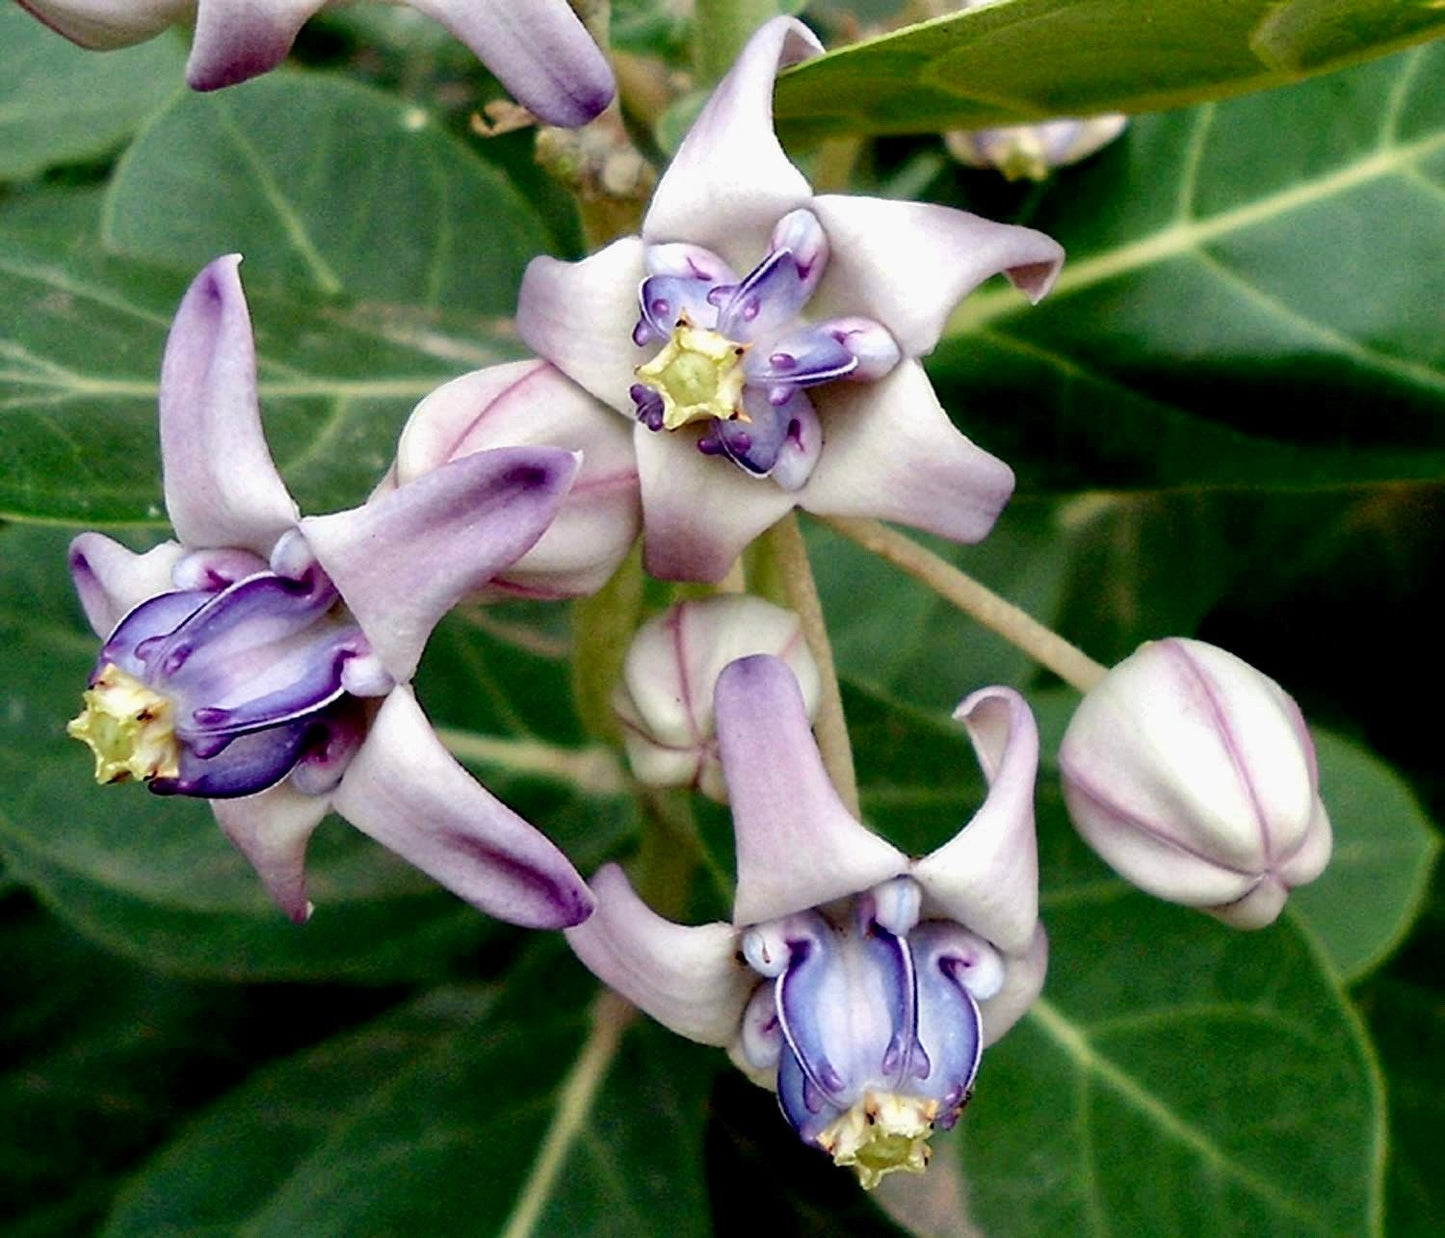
243,766
987,876
406,791
112,580
908,264
687,978
698,511
890,451
237,40
539,50
271,830
403,560
102,25
526,403
797,846
730,182
1023,981
222,488
580,315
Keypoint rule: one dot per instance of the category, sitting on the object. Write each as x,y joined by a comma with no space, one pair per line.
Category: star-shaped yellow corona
698,376
128,727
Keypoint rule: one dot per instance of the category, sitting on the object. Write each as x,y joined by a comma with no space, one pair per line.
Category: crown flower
538,49
858,983
765,339
261,659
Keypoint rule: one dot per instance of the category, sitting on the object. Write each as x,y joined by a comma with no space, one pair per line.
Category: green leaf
464,1113
1240,305
156,879
80,351
1022,60
326,185
60,104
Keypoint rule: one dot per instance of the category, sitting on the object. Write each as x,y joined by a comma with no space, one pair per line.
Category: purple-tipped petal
222,488
580,315
987,876
908,264
684,261
730,181
664,299
538,50
698,512
242,766
271,830
767,300
406,791
805,357
111,580
526,403
949,1025
893,454
213,570
781,440
403,560
687,978
150,620
800,233
236,41
797,846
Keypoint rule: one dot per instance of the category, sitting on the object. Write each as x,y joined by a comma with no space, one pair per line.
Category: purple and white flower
538,49
261,660
765,339
860,984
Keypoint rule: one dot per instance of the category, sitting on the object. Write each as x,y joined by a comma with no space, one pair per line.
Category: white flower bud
665,699
1193,775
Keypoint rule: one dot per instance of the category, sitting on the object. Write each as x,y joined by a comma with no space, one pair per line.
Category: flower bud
665,699
1194,777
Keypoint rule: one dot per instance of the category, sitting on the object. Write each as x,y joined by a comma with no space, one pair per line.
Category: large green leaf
529,1110
155,878
80,351
1245,301
60,104
327,185
1018,60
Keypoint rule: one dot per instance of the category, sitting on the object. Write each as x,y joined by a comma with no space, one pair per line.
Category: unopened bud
1193,775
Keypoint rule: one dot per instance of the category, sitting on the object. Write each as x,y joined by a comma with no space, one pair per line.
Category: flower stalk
1044,645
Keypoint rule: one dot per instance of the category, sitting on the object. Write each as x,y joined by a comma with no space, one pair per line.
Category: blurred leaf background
1228,420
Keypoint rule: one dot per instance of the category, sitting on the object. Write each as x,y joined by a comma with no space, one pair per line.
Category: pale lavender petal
403,560
949,1026
406,791
236,40
783,431
1023,981
580,315
698,512
876,351
526,403
102,25
222,488
538,50
892,453
730,182
987,876
800,233
797,845
767,300
271,830
805,357
908,264
803,446
111,580
687,978
213,570
688,262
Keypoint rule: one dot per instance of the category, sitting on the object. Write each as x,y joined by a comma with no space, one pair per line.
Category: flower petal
238,41
730,181
698,512
403,560
580,315
222,488
538,49
687,978
908,264
241,767
1023,981
797,845
891,452
527,403
987,876
271,830
101,25
111,580
406,791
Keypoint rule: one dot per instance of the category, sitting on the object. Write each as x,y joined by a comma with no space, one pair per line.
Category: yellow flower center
882,1133
698,375
128,727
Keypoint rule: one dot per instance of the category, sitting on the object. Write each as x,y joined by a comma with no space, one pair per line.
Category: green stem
602,630
719,30
786,554
1045,646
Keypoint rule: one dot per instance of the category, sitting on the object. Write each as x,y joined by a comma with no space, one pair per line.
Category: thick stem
1045,646
719,30
789,555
